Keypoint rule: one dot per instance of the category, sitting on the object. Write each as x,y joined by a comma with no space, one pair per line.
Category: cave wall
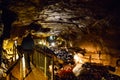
103,59
87,24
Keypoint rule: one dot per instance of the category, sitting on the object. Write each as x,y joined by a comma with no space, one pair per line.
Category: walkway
35,74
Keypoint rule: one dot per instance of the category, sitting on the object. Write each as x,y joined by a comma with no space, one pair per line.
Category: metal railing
42,58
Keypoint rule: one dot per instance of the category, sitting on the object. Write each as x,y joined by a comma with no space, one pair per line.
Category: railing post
45,69
22,66
8,77
52,76
14,50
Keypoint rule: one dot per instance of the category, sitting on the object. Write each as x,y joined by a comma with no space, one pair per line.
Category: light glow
52,44
23,65
78,64
77,58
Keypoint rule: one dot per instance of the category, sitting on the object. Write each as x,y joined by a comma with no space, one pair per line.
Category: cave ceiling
80,21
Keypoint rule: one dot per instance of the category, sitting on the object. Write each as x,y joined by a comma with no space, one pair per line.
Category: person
27,46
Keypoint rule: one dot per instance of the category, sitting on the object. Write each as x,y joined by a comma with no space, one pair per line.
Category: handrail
45,50
13,65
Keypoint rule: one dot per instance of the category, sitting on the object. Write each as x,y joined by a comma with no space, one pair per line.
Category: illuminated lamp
52,44
51,38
